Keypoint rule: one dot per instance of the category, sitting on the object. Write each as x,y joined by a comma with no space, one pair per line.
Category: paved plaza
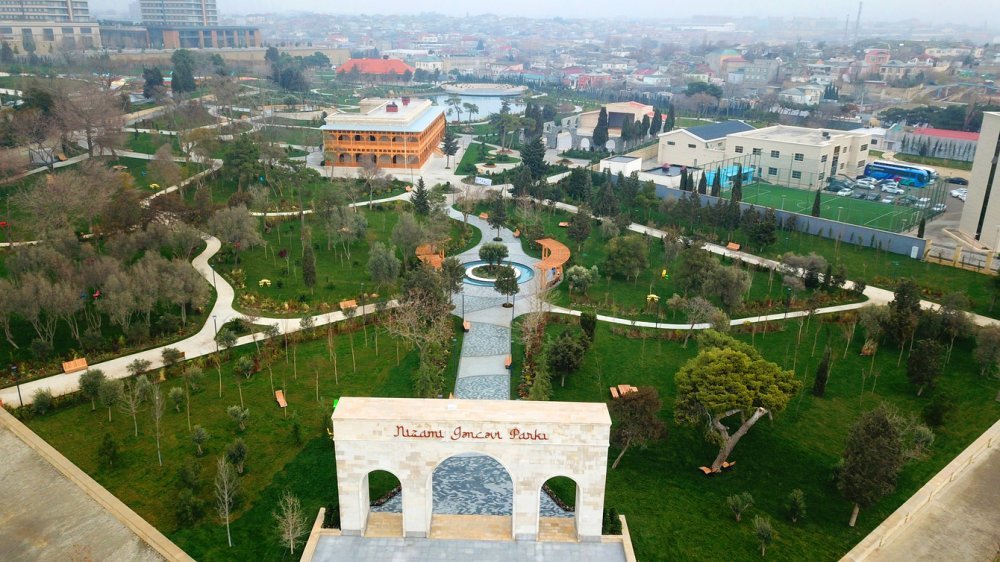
419,550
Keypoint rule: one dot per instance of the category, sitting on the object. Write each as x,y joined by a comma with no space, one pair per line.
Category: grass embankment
676,513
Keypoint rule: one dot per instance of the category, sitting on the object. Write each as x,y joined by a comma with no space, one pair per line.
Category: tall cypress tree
601,130
822,374
737,194
717,183
671,118
684,179
702,184
656,125
816,205
644,126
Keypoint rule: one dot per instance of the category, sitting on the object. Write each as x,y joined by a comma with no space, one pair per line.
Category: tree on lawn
822,374
579,227
498,213
721,382
132,399
449,146
109,394
605,203
421,199
636,421
737,194
925,364
816,205
872,459
627,257
904,311
107,452
987,353
506,282
763,233
237,227
565,355
227,486
600,136
90,386
383,265
493,253
157,407
182,79
291,521
308,265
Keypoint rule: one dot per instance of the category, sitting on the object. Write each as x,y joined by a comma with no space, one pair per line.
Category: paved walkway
963,523
331,548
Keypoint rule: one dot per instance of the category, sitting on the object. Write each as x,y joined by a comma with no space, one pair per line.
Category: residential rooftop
719,131
798,135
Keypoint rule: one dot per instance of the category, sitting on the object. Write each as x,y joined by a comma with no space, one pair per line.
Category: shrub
937,409
739,503
107,452
611,524
188,508
41,402
796,505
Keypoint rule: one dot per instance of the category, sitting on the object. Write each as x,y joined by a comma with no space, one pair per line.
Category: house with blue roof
697,146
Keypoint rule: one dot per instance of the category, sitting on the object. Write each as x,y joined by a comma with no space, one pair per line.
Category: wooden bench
624,389
466,325
62,157
728,465
733,246
484,216
707,471
517,233
279,395
614,393
74,365
344,305
507,363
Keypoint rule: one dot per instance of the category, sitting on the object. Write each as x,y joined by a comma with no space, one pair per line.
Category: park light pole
839,209
216,338
17,382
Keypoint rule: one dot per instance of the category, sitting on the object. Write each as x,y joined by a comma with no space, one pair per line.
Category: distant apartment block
170,13
45,26
44,10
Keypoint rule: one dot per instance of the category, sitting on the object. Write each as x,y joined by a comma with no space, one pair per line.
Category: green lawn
195,117
275,461
339,276
479,154
874,214
149,143
676,513
932,161
626,298
303,137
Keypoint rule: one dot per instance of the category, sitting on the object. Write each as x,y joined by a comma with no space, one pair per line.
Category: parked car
888,199
958,181
959,191
939,207
859,195
866,183
961,197
894,189
845,192
873,197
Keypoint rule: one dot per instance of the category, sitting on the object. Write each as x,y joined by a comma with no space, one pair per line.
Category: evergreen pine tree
702,184
421,199
737,195
816,205
822,374
644,126
684,179
449,146
533,156
671,118
717,183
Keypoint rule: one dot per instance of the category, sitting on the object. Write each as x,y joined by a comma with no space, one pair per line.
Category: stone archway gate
534,441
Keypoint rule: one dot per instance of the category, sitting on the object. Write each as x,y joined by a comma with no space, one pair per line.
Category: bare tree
164,170
291,521
226,490
132,399
94,113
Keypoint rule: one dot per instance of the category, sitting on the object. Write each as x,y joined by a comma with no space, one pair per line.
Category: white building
621,165
800,156
696,146
981,214
802,95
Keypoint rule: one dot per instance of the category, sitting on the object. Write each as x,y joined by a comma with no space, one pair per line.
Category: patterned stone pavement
483,387
473,485
486,339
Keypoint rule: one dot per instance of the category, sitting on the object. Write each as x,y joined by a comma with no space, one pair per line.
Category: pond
486,104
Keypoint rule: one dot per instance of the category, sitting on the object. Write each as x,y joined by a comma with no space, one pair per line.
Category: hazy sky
965,11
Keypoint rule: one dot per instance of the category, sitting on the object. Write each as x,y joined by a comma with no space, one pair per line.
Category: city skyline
967,12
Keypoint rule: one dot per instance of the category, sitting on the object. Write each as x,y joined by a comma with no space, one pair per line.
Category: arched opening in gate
557,501
382,493
471,485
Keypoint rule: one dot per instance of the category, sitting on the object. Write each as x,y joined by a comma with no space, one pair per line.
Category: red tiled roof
375,66
946,134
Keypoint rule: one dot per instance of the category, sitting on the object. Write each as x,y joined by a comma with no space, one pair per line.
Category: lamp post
216,338
839,209
17,382
782,202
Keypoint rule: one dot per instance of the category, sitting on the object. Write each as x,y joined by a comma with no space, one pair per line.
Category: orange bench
75,365
344,305
517,233
484,216
733,246
564,224
508,362
466,325
614,393
279,395
707,471
624,389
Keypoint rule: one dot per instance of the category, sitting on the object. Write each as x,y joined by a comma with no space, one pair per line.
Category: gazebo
430,255
555,254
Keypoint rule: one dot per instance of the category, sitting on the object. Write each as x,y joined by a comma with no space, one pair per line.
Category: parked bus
906,174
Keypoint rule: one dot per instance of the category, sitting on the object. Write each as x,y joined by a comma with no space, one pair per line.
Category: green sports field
893,217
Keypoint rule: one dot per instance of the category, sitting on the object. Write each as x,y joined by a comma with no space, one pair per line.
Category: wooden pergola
555,254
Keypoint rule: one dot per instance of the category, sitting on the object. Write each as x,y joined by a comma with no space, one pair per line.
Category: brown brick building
398,133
